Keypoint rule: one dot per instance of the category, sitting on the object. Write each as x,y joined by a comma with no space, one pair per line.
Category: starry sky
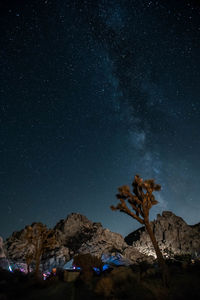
92,93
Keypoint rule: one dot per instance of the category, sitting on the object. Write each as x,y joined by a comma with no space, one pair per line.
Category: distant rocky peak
75,223
169,216
77,217
173,234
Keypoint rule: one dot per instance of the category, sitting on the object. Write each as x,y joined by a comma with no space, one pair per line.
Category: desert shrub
60,274
122,283
5,275
183,257
87,262
156,289
185,286
104,287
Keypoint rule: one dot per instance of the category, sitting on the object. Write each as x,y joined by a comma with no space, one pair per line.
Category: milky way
93,92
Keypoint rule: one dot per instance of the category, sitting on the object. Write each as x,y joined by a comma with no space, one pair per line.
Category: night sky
92,93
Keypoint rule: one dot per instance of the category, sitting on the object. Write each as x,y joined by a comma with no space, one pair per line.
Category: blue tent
116,260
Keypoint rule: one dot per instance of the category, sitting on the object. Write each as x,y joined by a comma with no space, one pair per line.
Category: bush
87,262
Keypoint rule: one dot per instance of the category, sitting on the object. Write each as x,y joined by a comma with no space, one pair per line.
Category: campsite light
54,271
105,267
97,270
10,269
22,270
45,275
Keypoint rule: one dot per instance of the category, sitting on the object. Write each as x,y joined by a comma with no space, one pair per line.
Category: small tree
87,262
40,238
141,203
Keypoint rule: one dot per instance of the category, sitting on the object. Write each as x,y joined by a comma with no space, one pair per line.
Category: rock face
76,234
2,253
173,234
3,261
16,246
75,231
81,235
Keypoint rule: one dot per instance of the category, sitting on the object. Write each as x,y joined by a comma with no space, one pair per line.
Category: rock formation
173,234
76,234
2,253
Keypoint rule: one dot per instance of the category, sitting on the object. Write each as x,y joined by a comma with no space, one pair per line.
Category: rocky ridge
76,234
174,236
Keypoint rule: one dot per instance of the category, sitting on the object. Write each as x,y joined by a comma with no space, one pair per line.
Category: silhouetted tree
40,238
87,262
141,201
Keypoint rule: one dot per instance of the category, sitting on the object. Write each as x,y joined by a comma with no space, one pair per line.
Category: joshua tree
40,238
141,201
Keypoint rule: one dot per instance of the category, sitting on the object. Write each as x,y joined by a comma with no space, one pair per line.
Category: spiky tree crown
40,236
141,200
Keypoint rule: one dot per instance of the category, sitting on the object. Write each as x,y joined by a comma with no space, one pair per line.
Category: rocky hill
76,234
173,234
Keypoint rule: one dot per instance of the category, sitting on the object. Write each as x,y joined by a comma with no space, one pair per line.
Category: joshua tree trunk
28,262
37,264
159,255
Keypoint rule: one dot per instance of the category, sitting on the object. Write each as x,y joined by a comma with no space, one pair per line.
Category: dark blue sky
91,93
